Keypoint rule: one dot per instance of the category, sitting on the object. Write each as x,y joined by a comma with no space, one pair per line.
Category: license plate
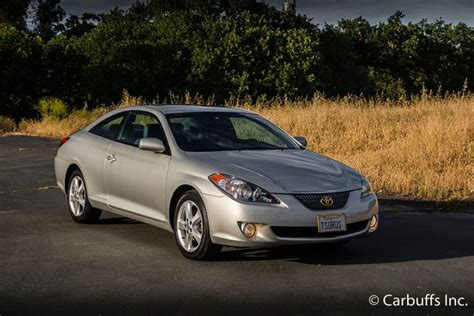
331,223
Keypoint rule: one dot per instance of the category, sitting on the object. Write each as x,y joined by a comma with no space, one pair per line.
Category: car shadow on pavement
401,237
117,221
399,204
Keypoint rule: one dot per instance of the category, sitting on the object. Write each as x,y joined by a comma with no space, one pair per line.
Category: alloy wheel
189,226
77,196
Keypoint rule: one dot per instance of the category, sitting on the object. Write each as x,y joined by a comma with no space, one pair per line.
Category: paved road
49,263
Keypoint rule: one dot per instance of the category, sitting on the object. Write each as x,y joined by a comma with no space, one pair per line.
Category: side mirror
302,140
152,144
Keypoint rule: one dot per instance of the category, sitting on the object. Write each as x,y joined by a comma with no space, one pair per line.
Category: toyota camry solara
213,176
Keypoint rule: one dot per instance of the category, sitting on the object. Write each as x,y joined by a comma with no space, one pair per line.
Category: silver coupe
213,176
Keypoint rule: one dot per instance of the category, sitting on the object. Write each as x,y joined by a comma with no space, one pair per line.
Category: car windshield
219,131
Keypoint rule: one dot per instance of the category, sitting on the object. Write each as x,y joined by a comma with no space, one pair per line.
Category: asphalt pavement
50,264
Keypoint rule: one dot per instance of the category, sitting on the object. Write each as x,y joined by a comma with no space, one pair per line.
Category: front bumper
226,216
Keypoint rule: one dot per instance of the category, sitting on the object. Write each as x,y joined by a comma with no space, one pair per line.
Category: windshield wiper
262,148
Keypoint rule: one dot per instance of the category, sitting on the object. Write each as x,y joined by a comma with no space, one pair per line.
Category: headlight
366,189
242,190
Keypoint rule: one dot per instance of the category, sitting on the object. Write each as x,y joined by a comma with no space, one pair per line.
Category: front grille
313,201
312,232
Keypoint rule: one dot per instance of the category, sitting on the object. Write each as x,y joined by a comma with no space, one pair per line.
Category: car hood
283,171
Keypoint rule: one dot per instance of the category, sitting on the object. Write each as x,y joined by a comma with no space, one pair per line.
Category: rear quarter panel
87,151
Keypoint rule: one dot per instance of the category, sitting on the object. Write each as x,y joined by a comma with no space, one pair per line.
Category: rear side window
110,127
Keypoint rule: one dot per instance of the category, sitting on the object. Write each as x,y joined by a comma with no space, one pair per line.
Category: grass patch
7,125
420,148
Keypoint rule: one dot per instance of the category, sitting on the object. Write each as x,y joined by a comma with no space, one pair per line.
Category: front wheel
80,208
191,227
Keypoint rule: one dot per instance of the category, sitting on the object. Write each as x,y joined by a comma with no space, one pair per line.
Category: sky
330,11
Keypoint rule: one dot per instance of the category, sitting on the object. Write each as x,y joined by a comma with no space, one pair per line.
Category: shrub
6,124
52,107
20,72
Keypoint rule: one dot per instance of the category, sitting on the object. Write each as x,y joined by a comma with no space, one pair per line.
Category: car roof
190,108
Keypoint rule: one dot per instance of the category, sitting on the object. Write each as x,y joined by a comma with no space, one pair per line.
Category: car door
98,140
135,179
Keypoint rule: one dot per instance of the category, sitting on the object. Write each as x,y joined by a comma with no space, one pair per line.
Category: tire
192,227
80,209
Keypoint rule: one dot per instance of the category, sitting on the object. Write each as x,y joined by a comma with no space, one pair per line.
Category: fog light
249,230
374,223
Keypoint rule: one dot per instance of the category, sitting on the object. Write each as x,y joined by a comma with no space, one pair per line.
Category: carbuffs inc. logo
408,300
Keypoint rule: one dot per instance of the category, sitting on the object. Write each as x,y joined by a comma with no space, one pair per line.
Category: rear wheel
80,208
191,227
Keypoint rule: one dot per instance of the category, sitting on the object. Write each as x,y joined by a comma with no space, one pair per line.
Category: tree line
219,48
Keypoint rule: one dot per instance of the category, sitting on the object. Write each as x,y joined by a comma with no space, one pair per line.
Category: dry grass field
421,148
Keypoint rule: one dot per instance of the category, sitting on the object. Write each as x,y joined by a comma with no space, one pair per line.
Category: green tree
64,60
223,48
21,72
213,8
250,54
48,19
344,67
78,26
145,58
13,12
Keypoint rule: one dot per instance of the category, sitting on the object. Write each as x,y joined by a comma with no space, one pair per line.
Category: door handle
111,158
